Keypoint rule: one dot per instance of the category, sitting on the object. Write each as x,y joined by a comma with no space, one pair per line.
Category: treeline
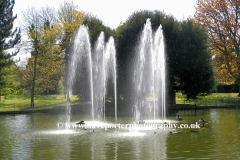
49,35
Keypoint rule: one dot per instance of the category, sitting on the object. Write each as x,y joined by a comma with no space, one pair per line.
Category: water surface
36,136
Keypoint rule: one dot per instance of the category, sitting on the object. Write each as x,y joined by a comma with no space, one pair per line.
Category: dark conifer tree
8,37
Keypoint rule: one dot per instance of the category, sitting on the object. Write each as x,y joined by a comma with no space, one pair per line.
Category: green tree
189,65
45,67
95,27
127,35
8,37
194,61
49,64
12,80
61,87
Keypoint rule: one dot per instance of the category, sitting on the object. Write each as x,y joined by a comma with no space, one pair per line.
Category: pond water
38,136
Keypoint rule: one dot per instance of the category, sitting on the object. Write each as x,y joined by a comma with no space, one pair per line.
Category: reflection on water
35,136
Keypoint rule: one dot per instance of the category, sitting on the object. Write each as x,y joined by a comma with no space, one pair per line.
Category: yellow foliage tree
221,19
68,22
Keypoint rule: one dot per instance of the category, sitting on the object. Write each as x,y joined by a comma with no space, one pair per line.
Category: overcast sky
112,12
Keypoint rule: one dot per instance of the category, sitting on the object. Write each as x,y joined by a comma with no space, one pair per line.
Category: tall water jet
110,69
99,78
149,75
160,71
97,68
104,69
81,56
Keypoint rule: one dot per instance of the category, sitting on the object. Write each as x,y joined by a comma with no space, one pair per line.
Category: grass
22,102
210,100
179,96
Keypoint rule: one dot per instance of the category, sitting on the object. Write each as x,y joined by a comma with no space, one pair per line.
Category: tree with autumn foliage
221,19
68,21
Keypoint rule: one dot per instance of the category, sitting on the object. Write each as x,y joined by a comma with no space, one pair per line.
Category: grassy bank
179,96
214,99
23,102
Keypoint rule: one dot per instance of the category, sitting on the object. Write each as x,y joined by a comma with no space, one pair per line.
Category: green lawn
210,100
179,96
22,102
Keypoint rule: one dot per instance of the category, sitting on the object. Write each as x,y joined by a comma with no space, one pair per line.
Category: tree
11,79
189,65
194,67
49,65
127,35
95,27
32,29
8,37
45,67
221,19
68,21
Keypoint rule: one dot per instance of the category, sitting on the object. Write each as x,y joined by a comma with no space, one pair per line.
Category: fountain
81,55
99,77
104,68
98,65
149,75
110,69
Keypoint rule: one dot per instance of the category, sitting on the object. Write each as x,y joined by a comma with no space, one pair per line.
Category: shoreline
62,110
188,106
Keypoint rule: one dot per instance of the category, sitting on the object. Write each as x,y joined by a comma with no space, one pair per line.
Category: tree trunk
35,65
172,97
34,78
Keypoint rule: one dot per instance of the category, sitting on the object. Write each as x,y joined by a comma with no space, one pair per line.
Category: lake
43,136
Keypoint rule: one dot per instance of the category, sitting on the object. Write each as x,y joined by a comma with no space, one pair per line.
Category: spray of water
104,69
81,53
99,77
148,78
100,67
110,68
149,75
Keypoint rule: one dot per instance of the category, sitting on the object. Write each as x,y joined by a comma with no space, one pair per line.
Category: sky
112,12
